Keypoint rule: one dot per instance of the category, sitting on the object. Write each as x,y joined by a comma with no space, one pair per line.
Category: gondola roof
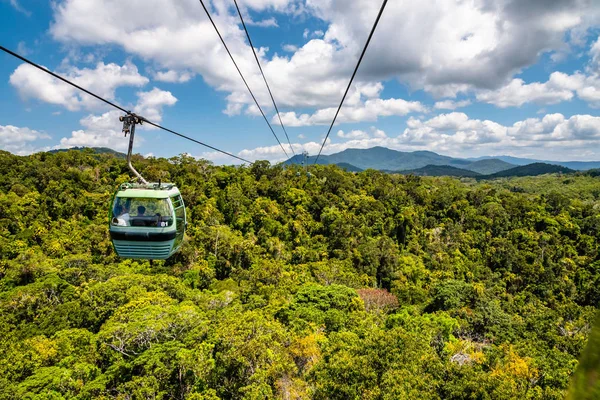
151,190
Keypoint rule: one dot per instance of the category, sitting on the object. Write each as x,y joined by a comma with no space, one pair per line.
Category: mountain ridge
97,150
533,169
385,159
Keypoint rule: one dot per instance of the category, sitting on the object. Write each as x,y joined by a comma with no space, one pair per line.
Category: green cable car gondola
146,220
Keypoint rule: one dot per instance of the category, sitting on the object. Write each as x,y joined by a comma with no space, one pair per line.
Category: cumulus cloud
557,128
265,23
19,140
451,104
453,128
559,87
370,110
480,44
288,6
103,80
445,48
355,134
150,104
172,76
178,38
290,48
98,131
457,134
105,130
517,93
359,134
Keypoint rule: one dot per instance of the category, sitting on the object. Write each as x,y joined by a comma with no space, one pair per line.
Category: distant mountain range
433,164
576,165
97,150
426,163
522,170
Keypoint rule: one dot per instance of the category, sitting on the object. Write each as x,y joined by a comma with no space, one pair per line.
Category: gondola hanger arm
129,122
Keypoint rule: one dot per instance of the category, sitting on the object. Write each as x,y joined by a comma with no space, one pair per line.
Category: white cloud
370,110
105,130
559,87
358,134
17,6
595,53
290,48
22,49
181,38
556,128
265,23
378,133
447,89
355,134
177,38
456,134
517,93
103,80
253,111
446,48
451,105
453,128
150,104
478,43
288,6
591,94
99,131
19,140
172,76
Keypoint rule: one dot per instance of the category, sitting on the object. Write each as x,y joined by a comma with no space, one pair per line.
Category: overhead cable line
263,75
12,53
240,72
353,75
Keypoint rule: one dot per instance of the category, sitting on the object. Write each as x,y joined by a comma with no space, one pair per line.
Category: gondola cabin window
146,212
179,208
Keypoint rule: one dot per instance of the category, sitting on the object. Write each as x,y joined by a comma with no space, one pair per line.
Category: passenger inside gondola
121,216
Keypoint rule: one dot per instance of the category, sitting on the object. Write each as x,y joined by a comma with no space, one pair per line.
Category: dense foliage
335,286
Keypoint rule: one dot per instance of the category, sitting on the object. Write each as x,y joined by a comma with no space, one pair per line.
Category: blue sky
460,78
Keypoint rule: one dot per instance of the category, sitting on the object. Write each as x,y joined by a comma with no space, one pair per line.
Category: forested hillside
335,286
